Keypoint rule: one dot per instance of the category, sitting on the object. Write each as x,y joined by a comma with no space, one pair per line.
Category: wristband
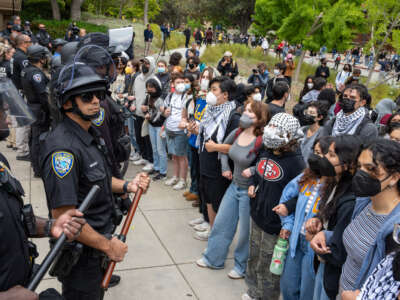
125,187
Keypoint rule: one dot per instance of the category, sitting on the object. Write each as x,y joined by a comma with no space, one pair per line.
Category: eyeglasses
28,42
396,233
88,96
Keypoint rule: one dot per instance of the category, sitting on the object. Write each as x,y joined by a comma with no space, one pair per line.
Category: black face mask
308,120
321,166
145,69
347,105
191,66
364,185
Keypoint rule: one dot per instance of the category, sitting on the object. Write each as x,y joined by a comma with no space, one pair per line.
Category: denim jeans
159,150
297,280
235,205
132,134
319,291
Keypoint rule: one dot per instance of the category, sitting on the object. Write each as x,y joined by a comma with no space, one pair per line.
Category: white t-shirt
176,103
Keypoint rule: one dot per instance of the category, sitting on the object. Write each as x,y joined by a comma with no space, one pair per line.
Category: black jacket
228,68
322,69
270,183
270,84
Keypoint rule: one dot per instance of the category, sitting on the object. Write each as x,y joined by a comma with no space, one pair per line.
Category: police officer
16,224
58,44
43,37
35,88
27,30
73,159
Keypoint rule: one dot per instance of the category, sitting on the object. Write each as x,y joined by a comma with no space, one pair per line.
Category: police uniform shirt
5,69
72,163
20,61
34,84
14,257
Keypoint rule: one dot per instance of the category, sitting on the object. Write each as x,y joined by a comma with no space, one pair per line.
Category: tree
145,12
76,9
55,8
269,14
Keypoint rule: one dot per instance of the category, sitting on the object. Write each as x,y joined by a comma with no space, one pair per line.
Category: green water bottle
278,257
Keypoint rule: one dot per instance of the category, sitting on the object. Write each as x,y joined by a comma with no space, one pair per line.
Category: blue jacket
295,221
377,251
148,35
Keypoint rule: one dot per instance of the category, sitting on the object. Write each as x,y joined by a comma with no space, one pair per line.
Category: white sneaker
134,156
201,263
171,181
202,236
180,185
202,227
140,162
234,275
195,222
247,297
148,167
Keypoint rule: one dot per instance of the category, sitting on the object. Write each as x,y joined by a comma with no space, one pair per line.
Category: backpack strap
238,132
257,145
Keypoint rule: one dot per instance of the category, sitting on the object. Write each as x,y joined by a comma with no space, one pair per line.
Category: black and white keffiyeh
381,285
216,117
348,124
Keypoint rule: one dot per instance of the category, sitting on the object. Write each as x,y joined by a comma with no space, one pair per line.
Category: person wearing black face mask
353,118
191,68
374,217
314,115
323,70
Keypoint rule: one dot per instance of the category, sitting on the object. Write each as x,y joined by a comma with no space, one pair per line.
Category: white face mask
276,72
204,84
310,85
211,98
180,87
257,97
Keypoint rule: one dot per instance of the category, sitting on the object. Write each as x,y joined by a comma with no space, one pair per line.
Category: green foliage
176,40
136,9
268,15
41,9
193,23
57,29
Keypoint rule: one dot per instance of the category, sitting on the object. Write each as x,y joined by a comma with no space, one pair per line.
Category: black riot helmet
37,52
78,79
59,42
68,52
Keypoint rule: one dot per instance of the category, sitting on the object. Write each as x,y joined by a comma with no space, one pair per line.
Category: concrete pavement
160,263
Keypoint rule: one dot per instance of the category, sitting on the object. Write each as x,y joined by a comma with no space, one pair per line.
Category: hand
284,234
183,124
117,250
229,74
141,180
318,244
224,63
131,98
227,175
126,104
120,96
210,146
281,210
193,127
132,108
313,225
19,293
167,112
350,295
147,116
70,223
251,191
145,108
247,173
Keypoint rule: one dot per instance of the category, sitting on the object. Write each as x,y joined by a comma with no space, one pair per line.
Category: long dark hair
347,148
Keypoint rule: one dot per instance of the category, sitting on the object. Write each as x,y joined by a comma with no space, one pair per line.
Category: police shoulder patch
62,163
37,77
100,119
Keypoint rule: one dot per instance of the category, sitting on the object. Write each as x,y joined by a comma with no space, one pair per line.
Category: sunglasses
88,96
396,233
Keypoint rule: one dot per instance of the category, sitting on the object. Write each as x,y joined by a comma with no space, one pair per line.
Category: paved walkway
160,263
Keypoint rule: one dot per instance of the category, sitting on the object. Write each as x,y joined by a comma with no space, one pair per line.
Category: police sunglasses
88,96
396,233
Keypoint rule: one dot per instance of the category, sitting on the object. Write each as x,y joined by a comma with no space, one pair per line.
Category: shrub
176,40
41,9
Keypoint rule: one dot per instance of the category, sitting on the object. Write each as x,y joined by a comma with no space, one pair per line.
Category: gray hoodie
139,87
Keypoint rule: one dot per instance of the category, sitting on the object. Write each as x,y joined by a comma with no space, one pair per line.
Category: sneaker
192,197
153,173
235,275
159,177
172,181
115,279
202,227
201,263
148,167
195,222
202,236
25,157
247,297
186,193
140,162
134,156
180,185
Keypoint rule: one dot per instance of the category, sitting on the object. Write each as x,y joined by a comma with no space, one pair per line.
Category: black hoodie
270,184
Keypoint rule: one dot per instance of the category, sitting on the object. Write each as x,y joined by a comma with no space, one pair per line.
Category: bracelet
125,187
47,227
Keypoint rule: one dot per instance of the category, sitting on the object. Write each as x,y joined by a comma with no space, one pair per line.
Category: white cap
228,53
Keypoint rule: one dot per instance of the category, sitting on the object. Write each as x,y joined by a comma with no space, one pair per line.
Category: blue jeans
235,205
132,134
159,150
297,280
319,291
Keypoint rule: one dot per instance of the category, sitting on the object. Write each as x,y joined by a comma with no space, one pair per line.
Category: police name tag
62,163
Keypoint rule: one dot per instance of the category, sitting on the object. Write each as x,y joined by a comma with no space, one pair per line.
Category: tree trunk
120,9
300,62
55,8
146,9
388,33
76,9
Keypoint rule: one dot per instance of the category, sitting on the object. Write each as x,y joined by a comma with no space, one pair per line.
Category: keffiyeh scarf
348,124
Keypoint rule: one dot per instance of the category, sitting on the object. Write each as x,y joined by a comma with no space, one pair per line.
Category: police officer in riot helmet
73,158
20,59
35,88
58,44
18,222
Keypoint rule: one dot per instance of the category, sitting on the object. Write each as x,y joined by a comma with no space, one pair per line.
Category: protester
354,78
227,66
117,87
280,92
148,38
192,51
174,61
209,36
192,67
394,133
259,78
164,76
279,70
246,142
290,67
341,78
308,86
187,34
323,69
276,165
318,85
